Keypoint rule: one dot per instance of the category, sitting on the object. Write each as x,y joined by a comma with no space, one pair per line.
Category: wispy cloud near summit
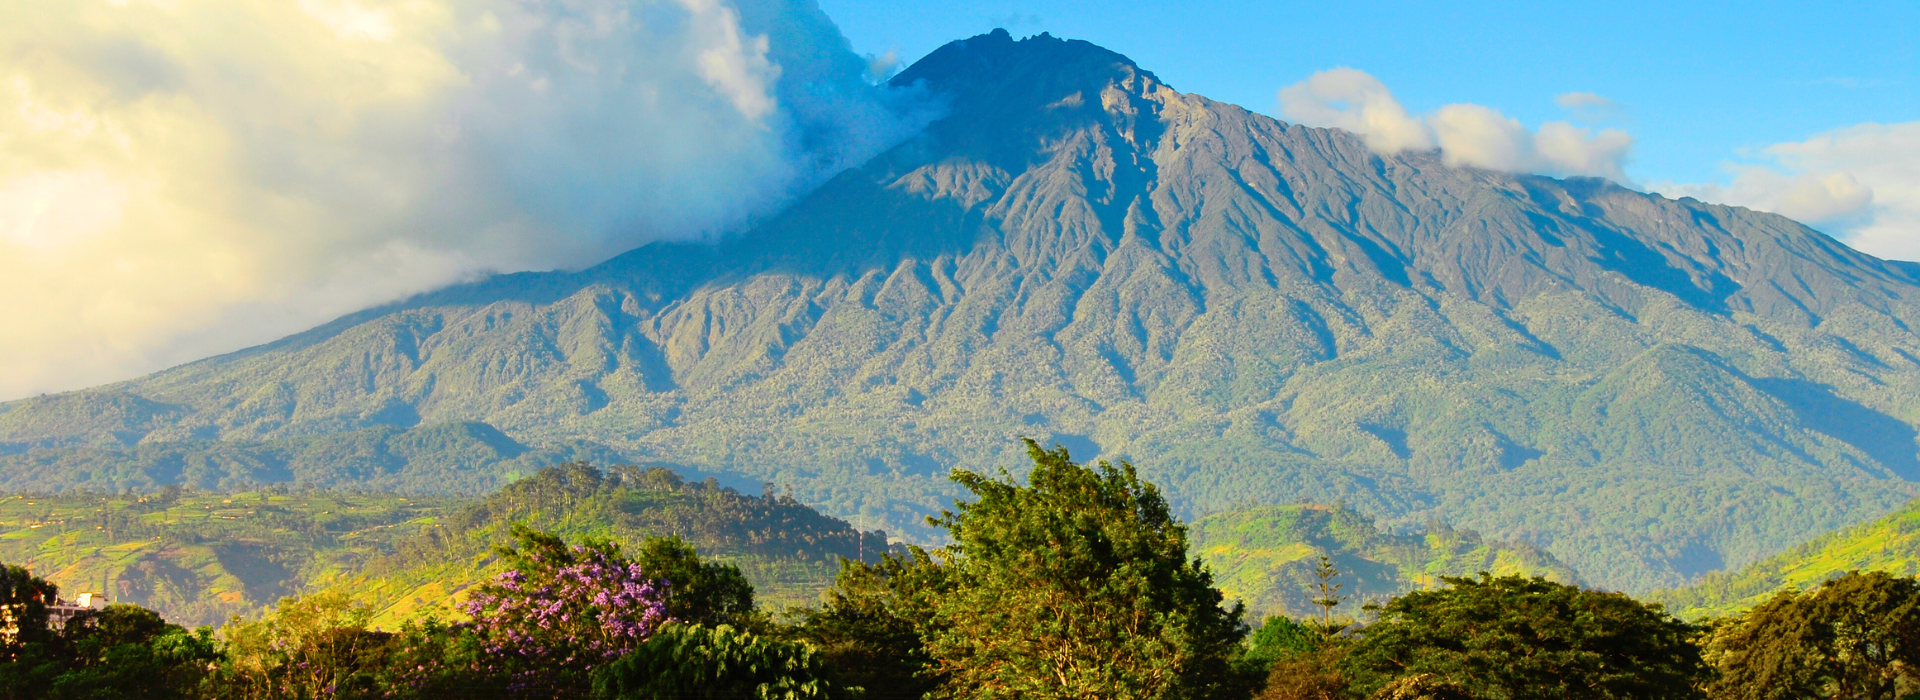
182,177
1466,134
1860,183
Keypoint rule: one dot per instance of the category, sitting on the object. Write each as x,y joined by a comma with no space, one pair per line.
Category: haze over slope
1252,311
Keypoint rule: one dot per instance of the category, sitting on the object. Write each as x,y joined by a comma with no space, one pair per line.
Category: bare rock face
1253,312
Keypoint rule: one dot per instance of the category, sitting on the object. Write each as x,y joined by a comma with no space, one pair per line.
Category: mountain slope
1266,556
1252,311
1890,544
203,557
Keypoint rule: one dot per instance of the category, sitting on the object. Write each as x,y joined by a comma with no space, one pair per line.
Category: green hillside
1254,312
202,557
1890,544
790,552
1265,556
463,458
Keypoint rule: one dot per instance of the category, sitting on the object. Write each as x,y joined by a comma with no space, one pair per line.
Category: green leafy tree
29,659
23,610
869,625
1280,637
1311,674
1515,638
1857,636
1077,585
126,651
123,651
1425,686
693,662
700,592
313,646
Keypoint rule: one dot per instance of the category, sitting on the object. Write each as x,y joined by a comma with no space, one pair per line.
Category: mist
180,178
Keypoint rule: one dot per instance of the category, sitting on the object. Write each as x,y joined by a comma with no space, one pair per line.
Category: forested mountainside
1890,544
1266,557
1251,311
202,557
467,458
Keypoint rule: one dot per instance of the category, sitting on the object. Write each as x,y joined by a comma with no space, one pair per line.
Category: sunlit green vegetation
1890,544
1266,555
202,557
1077,583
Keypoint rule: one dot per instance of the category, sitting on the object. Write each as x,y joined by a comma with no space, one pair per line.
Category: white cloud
1860,183
183,177
1350,99
1589,107
1583,100
1466,134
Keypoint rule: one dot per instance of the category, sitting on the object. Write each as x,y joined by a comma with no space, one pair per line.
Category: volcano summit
1251,311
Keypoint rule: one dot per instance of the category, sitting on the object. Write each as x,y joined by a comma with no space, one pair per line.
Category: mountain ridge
1253,311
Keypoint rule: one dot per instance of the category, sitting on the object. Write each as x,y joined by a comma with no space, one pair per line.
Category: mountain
203,557
1266,557
1253,312
464,458
1890,543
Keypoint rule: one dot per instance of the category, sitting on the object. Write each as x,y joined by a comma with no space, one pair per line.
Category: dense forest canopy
1076,582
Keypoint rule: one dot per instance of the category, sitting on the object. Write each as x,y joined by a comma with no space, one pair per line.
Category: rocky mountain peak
998,89
1253,311
996,67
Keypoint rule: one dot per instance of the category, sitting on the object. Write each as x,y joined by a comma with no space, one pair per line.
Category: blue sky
1701,82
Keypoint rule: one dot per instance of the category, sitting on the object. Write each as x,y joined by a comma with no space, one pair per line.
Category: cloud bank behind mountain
184,177
1860,184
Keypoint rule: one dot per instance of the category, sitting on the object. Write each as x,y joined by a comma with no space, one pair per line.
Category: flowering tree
541,627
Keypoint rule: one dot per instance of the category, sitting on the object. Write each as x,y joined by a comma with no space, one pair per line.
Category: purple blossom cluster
573,608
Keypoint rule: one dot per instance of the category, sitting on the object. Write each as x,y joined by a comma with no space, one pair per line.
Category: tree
1077,585
310,646
1857,636
126,651
694,662
869,626
1511,637
23,610
1300,661
700,593
559,612
1326,593
123,651
1281,637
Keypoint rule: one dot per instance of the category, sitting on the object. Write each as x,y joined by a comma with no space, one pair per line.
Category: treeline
629,502
202,557
1076,584
788,549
